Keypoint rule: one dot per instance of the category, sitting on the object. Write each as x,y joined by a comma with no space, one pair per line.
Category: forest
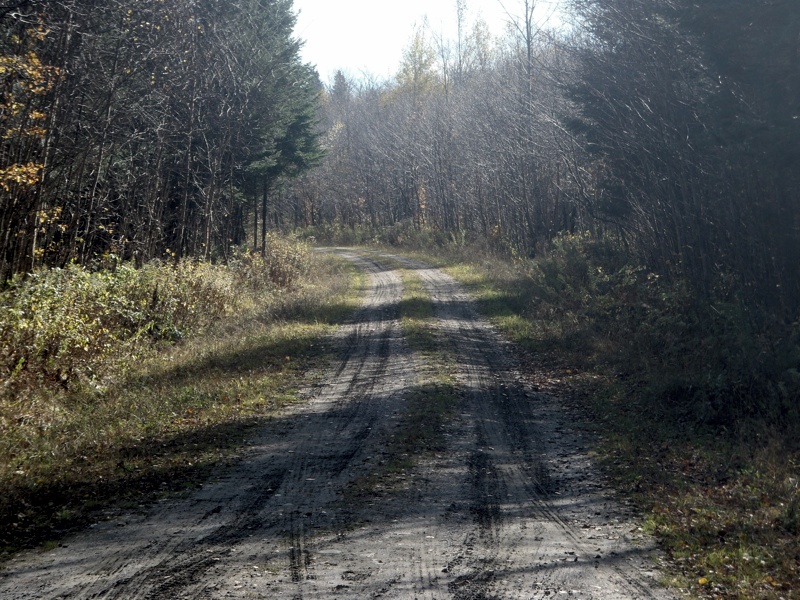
635,171
649,149
142,131
670,126
174,129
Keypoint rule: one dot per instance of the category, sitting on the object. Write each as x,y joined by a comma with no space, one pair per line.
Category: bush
712,360
285,263
338,234
59,324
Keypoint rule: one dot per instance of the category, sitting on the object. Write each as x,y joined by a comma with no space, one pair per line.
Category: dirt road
511,509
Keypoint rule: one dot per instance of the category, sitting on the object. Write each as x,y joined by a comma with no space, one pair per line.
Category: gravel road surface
512,508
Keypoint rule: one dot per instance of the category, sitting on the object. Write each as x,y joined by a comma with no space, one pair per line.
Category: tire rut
530,547
511,509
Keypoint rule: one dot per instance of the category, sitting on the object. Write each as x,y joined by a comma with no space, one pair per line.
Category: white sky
368,36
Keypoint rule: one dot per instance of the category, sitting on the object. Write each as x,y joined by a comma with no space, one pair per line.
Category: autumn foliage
145,132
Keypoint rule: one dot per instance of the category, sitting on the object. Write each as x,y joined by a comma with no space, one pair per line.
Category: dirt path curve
512,509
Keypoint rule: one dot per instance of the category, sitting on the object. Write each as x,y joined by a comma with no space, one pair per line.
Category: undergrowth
118,386
403,234
58,325
695,400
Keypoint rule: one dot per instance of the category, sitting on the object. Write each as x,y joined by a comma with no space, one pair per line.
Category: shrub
59,324
713,361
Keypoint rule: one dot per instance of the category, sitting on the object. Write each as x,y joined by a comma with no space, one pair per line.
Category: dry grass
156,419
717,483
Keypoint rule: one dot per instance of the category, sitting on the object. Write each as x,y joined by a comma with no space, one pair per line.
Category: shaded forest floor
688,421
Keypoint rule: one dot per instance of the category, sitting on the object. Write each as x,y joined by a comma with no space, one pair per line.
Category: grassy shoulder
687,423
154,416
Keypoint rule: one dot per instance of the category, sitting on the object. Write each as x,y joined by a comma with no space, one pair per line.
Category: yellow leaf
703,581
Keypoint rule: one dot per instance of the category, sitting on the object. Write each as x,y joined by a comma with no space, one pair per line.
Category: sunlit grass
157,421
416,314
432,398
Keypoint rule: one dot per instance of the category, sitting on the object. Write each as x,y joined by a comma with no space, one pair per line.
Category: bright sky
368,36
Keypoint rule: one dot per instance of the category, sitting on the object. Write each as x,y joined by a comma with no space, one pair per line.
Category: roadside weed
155,417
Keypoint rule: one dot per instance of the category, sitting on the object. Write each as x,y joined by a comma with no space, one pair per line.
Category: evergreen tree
141,124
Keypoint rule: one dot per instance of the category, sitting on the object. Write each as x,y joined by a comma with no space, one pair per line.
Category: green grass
158,421
432,399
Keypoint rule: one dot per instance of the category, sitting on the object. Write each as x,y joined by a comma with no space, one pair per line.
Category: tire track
262,512
511,509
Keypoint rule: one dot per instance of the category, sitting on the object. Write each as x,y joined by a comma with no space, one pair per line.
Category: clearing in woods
506,505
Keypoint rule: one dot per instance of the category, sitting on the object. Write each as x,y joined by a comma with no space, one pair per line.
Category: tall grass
125,383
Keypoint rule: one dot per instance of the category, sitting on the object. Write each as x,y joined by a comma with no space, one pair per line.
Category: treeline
669,125
145,129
